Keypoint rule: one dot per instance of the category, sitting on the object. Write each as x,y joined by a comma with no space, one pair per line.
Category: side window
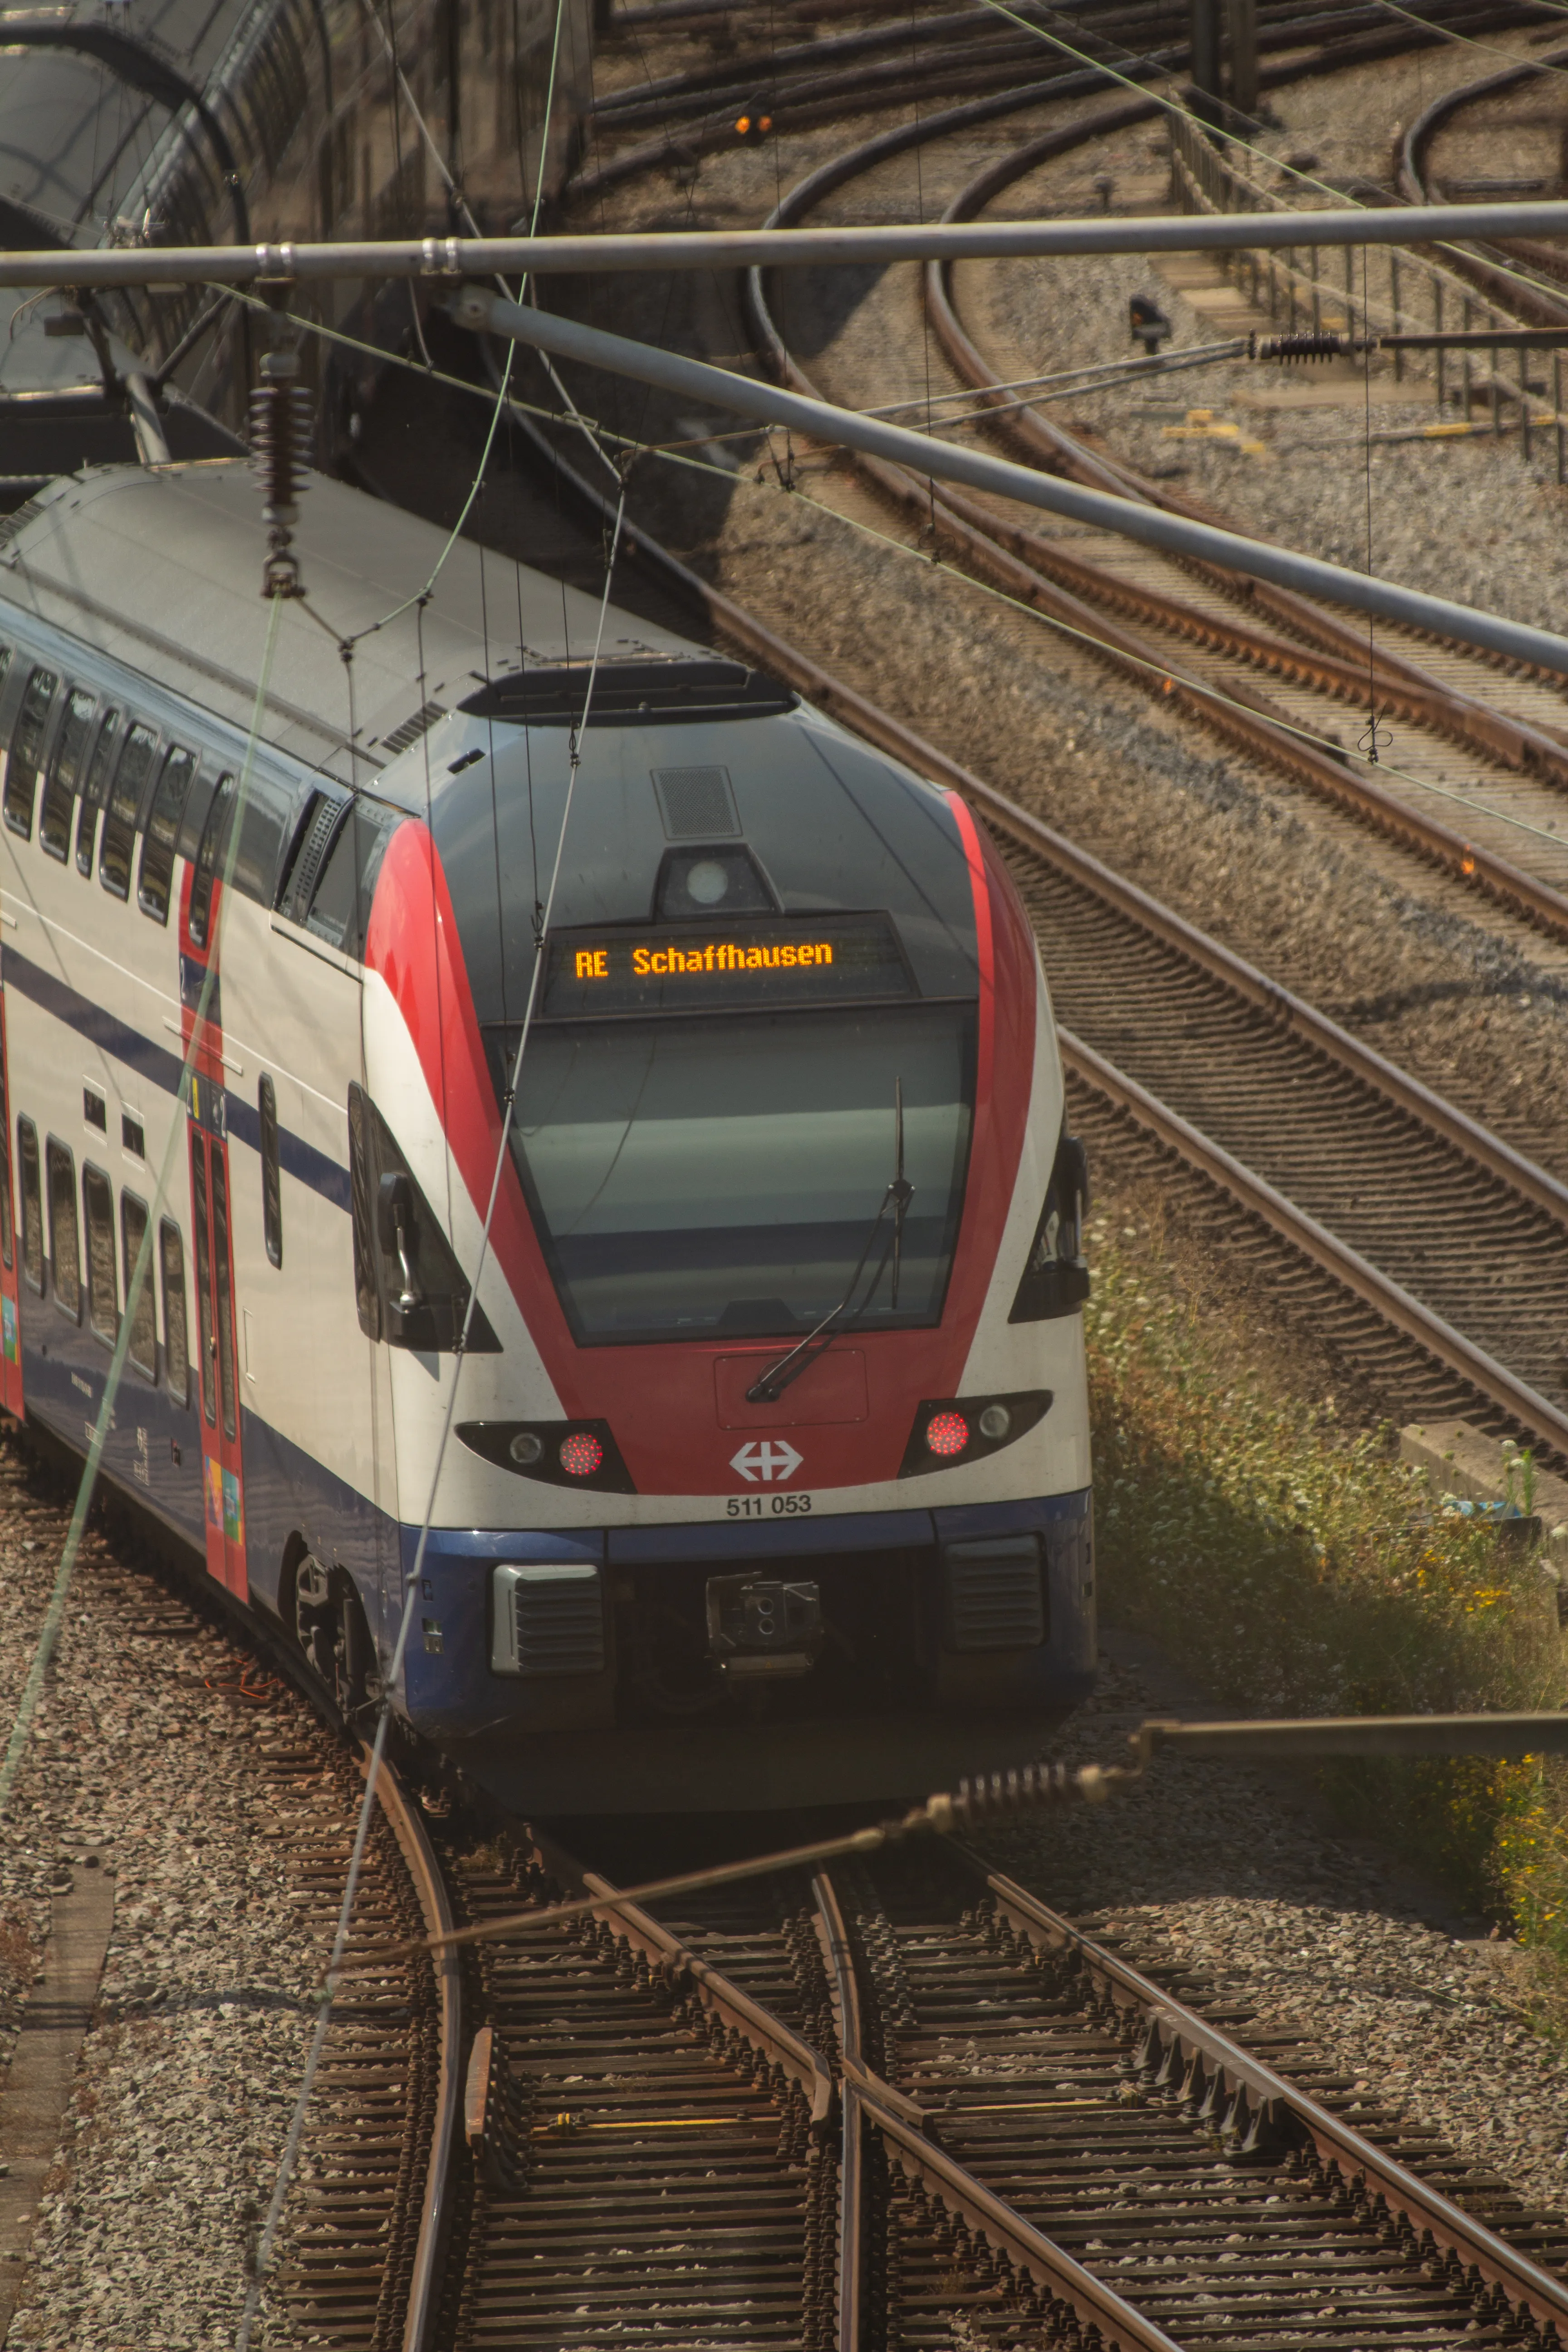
101,766
341,907
27,748
177,1341
103,1275
271,1174
124,803
367,1299
65,1240
210,854
65,773
163,833
142,1348
32,1205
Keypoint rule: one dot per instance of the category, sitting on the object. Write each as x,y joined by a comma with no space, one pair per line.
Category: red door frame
10,1294
218,1406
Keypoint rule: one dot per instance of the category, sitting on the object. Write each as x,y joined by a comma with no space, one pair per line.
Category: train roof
162,570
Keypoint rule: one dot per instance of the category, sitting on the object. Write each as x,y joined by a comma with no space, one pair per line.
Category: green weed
1296,1568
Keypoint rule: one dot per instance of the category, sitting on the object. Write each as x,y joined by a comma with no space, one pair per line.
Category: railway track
1475,779
914,2105
1528,278
1167,1033
359,2267
1206,1061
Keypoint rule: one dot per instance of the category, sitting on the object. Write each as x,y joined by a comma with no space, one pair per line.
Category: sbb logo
767,1458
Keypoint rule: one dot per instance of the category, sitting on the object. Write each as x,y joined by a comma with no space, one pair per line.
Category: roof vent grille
696,803
412,729
18,519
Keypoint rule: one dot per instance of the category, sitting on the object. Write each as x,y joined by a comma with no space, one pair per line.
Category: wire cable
378,1752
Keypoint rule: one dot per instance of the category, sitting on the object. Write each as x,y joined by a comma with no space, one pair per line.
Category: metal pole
483,311
1465,363
1241,16
1524,403
1557,412
1393,306
1203,32
456,258
1437,328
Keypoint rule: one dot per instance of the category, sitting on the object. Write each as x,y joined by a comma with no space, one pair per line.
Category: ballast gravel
1213,1869
145,1753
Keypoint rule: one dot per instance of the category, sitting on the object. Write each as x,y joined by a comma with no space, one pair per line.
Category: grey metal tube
483,256
476,307
145,422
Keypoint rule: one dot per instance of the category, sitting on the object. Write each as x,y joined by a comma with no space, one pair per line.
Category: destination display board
724,967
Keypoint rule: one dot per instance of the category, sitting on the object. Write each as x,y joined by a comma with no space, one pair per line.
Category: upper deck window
210,854
124,807
163,832
27,749
101,766
65,772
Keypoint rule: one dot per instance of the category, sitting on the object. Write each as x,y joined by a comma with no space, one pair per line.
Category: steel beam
454,258
844,428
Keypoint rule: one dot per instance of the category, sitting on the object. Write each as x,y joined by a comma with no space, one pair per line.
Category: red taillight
947,1433
580,1454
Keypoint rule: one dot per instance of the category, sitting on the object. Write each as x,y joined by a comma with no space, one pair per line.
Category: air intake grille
549,1620
412,729
994,1597
696,803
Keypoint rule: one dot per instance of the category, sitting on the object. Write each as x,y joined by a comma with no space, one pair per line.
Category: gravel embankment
1213,1867
144,1754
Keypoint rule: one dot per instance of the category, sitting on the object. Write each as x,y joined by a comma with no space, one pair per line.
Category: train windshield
691,1177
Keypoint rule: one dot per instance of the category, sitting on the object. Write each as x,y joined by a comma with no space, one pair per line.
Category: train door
223,1478
10,1304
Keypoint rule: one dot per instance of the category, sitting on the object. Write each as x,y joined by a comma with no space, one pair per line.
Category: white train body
782,976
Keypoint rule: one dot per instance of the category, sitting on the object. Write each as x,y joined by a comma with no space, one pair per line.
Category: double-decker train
768,1475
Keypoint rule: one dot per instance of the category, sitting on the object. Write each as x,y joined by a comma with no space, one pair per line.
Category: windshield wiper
773,1383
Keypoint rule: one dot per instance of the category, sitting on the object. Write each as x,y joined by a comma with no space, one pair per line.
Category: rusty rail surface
1311,645
940,2179
1097,934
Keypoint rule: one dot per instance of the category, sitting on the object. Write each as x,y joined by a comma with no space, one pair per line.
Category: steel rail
1015,559
486,312
906,2126
1044,440
727,2000
876,726
1438,1339
844,1991
422,2309
1502,284
1279,1003
1187,2039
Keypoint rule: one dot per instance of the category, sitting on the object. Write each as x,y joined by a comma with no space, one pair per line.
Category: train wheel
330,1627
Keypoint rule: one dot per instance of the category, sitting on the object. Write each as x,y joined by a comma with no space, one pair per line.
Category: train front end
769,1479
